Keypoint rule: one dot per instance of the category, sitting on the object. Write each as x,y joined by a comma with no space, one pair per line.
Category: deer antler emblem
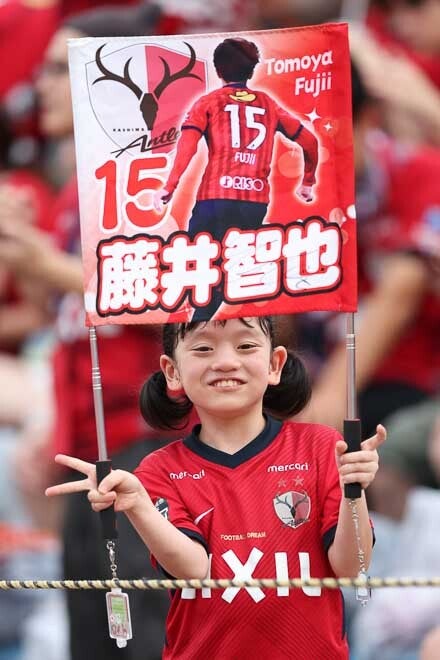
148,101
290,516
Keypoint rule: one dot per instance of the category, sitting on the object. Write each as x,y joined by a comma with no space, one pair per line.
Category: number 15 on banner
145,175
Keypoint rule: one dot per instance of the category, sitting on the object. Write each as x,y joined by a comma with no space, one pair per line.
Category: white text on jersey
184,474
288,466
245,572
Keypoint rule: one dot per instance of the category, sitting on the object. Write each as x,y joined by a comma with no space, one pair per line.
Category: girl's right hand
120,488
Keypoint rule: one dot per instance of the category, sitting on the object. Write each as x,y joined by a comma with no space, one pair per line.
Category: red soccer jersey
239,125
270,510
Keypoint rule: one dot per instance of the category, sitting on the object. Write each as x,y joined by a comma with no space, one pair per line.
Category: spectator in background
24,311
25,30
406,519
25,318
410,26
398,202
412,453
127,355
412,457
396,620
21,308
406,503
399,56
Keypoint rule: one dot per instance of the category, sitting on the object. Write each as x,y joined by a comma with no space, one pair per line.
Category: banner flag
215,174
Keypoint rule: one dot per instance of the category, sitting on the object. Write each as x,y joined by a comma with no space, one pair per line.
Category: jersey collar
236,84
254,447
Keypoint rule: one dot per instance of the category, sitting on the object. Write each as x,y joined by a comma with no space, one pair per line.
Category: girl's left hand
360,466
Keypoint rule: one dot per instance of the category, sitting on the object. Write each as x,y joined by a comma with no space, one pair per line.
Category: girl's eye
247,346
202,349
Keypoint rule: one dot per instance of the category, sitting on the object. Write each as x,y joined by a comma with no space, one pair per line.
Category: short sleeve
329,490
154,476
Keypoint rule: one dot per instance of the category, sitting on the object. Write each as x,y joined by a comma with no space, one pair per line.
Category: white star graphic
312,115
328,126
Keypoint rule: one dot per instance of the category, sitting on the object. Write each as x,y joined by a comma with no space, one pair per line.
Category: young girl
244,496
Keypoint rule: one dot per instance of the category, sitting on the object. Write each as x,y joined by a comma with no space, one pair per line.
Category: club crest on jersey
292,508
243,95
162,506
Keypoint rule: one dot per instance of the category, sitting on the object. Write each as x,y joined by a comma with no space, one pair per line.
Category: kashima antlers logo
292,508
148,101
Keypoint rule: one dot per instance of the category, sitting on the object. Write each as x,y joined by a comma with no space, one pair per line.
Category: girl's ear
171,373
277,362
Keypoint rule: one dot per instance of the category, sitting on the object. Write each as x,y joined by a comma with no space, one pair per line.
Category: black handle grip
108,516
352,436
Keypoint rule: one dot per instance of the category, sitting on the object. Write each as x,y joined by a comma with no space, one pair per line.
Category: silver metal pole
352,436
97,396
351,367
103,464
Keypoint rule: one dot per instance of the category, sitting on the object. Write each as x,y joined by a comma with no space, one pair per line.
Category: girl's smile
226,384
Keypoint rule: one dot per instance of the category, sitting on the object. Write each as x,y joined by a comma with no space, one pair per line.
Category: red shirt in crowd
406,219
40,199
25,31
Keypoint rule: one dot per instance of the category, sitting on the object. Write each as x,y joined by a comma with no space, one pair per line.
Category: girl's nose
225,359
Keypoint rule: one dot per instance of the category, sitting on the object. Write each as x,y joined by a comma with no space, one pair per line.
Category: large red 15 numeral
141,216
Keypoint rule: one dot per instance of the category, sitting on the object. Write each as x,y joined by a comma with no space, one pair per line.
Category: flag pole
352,424
353,436
118,606
103,464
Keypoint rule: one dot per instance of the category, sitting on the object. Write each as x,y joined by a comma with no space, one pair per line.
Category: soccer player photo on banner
215,174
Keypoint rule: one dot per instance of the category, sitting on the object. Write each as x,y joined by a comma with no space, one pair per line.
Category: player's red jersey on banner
239,125
269,510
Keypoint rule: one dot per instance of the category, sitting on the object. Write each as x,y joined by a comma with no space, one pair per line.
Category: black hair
236,59
162,411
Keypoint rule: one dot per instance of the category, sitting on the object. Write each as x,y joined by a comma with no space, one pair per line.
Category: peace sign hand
120,488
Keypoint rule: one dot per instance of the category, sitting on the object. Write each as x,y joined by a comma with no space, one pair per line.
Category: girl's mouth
227,382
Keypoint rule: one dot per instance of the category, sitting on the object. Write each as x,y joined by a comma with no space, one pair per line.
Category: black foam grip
108,516
352,436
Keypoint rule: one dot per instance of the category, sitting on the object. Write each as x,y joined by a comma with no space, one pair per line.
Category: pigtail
160,410
293,392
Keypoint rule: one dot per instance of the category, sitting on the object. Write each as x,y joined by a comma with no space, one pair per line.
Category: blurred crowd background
46,402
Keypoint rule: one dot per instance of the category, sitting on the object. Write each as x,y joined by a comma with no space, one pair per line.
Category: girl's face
225,369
